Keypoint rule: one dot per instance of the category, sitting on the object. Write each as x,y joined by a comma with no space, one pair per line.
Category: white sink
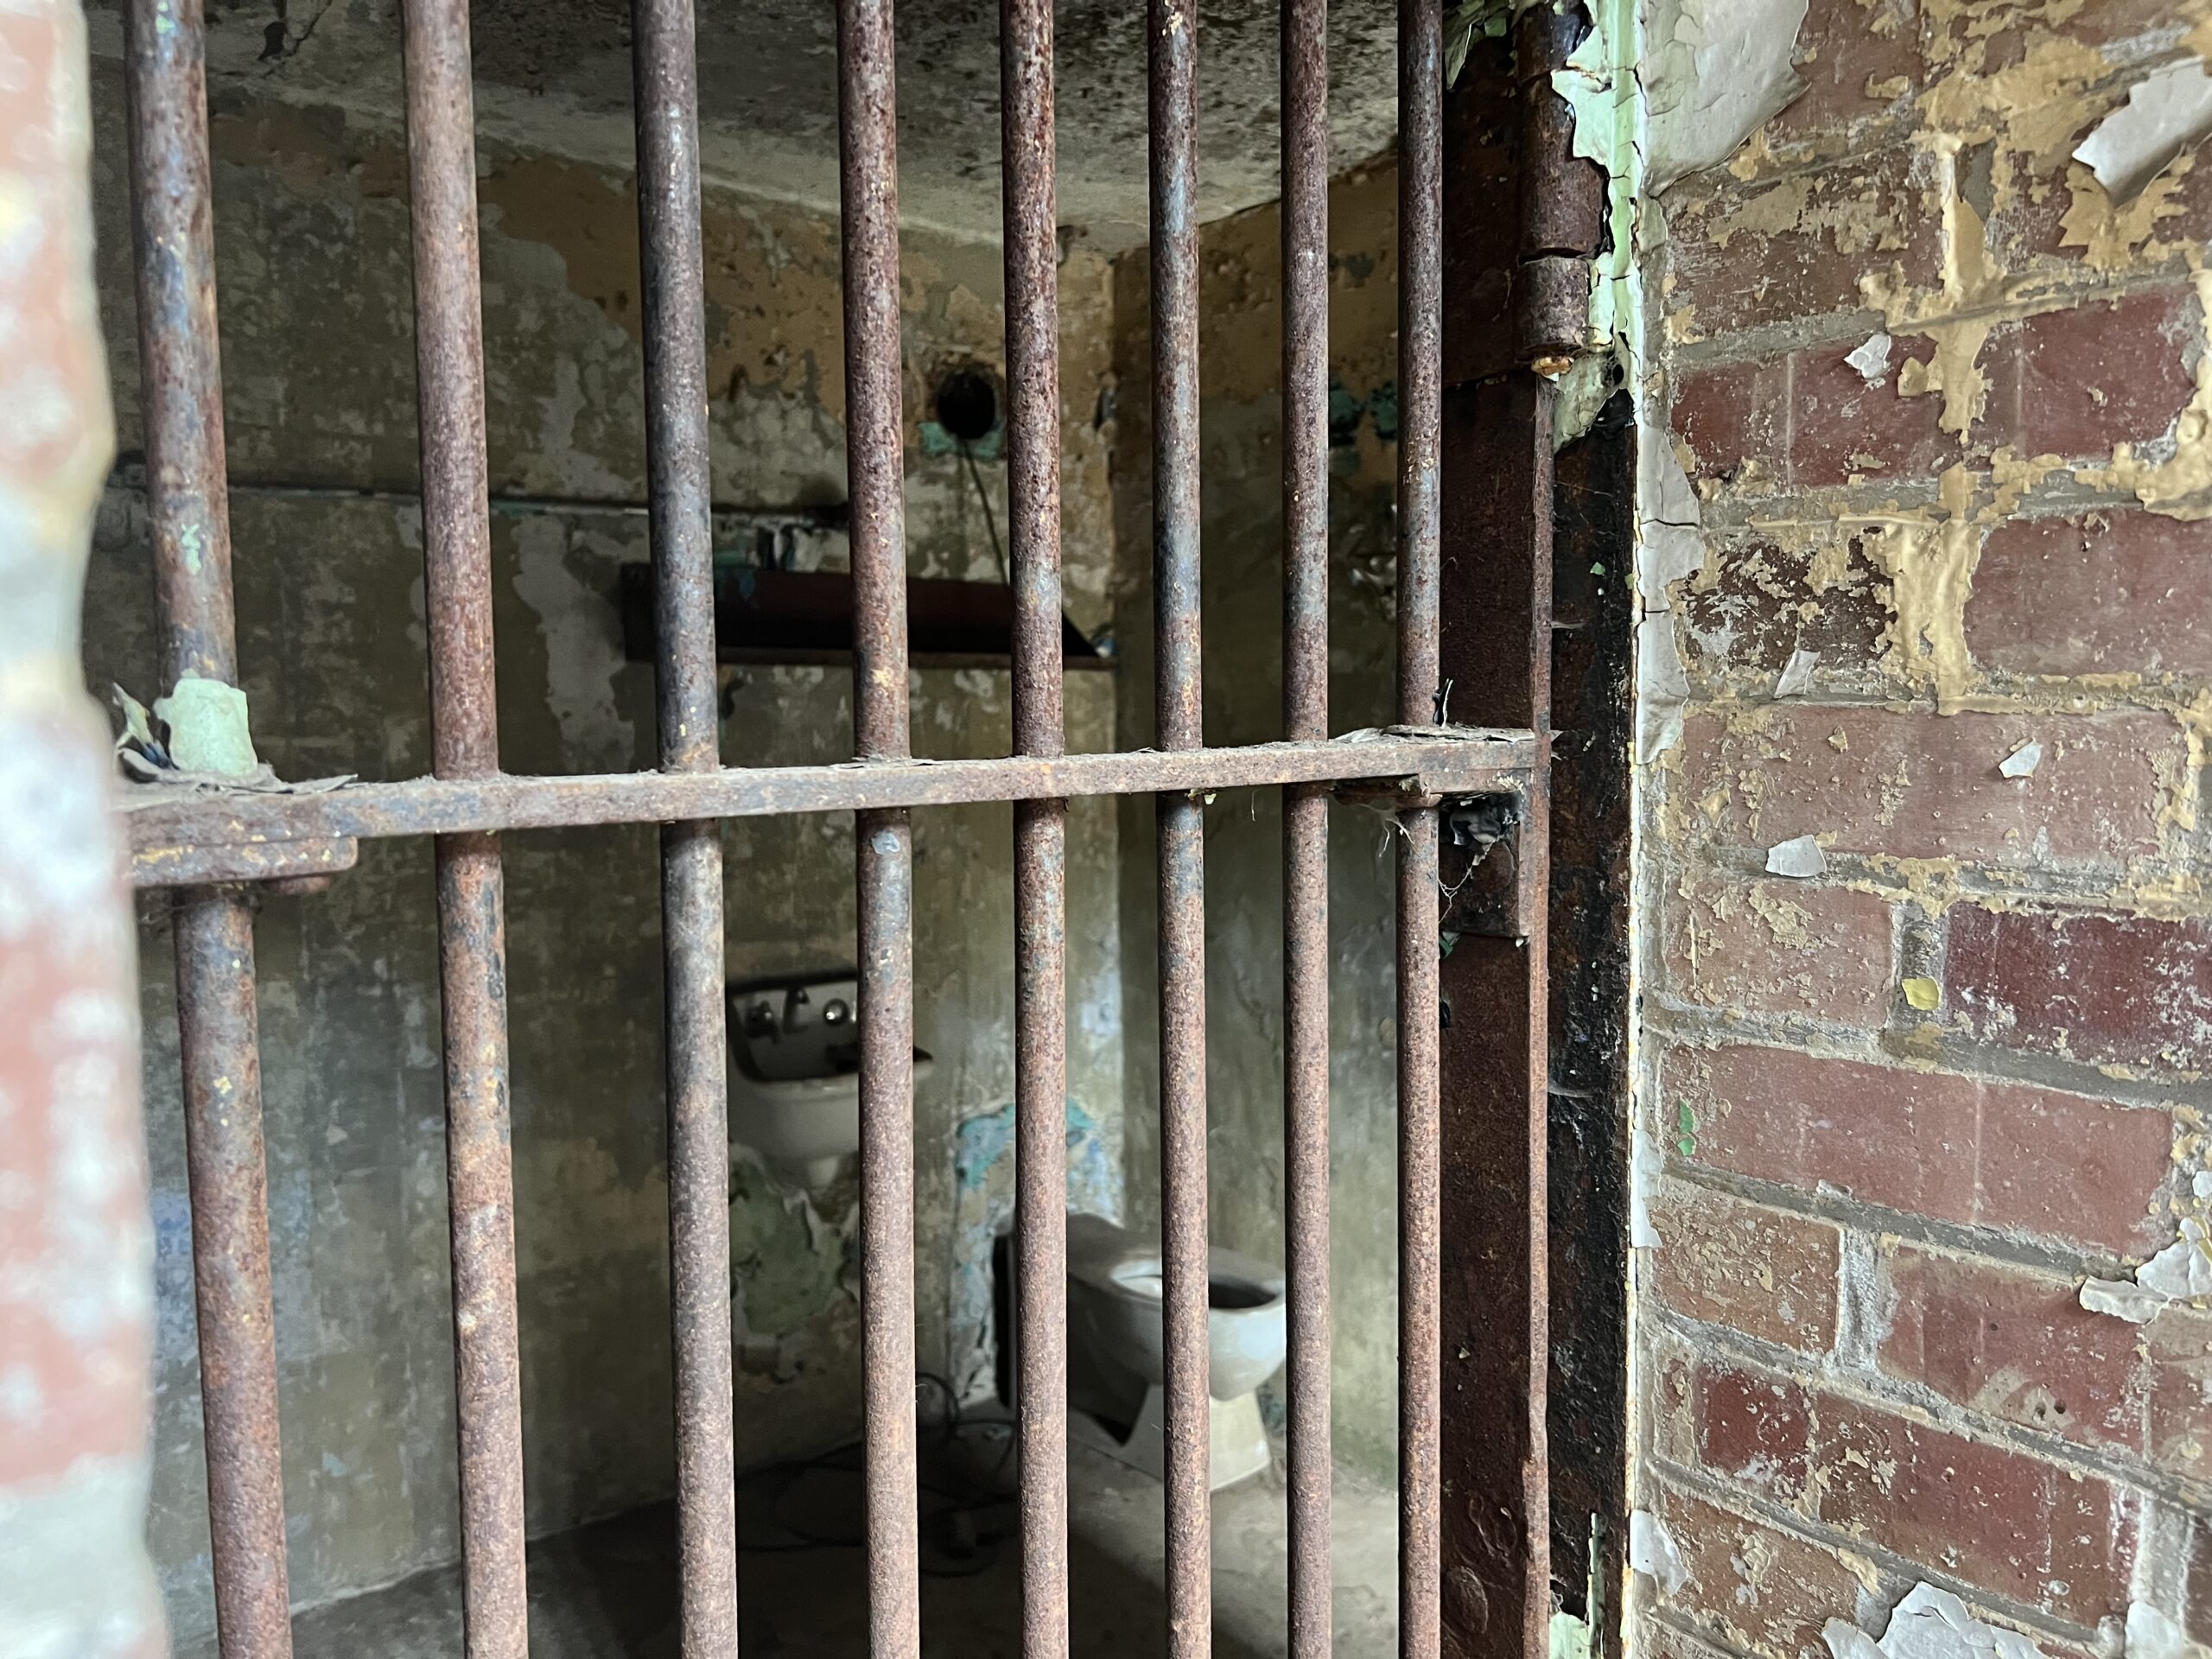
794,1074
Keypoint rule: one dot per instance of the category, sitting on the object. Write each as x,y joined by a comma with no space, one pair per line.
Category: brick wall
1864,1359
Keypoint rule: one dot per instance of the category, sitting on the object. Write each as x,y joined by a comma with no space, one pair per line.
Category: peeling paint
2168,111
1652,1552
2152,1634
2180,485
1714,71
1929,1624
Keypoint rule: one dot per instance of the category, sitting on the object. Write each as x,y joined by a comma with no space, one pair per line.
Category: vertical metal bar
1040,827
867,148
679,482
188,503
1306,811
1421,283
471,921
1178,695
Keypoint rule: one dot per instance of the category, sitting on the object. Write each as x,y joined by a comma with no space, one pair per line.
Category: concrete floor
608,1590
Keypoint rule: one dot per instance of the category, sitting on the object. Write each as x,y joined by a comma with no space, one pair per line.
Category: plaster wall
312,252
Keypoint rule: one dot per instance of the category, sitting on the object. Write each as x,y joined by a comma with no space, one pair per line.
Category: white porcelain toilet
1116,1359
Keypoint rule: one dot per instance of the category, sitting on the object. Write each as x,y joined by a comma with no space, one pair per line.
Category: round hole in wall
966,405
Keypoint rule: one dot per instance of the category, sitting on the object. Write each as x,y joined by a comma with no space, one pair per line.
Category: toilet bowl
1117,1356
794,1074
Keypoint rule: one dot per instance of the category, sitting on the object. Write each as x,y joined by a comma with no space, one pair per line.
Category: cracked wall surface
312,253
1931,596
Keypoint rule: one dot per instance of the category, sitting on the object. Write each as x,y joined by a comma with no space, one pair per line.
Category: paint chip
2023,761
2121,1298
2167,111
1872,359
1569,1638
1800,858
207,728
1796,673
2181,1272
1924,993
1651,1552
1645,1164
2153,1634
1929,1624
1715,71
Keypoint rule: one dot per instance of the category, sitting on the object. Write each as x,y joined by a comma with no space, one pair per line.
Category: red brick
1841,424
1767,1273
1806,421
2003,1520
1735,422
2012,1344
2126,989
1844,46
2178,1348
1865,212
1754,1428
1674,1408
1757,1587
1781,947
2033,224
2104,594
2074,382
1758,597
1925,786
2004,1156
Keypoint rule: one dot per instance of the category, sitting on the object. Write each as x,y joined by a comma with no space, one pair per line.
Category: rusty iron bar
1026,79
188,498
1420,334
1180,703
1305,812
1427,761
228,1173
680,490
867,158
464,735
274,861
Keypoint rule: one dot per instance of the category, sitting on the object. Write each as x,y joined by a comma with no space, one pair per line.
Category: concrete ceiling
555,74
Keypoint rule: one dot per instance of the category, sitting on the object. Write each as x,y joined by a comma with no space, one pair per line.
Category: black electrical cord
990,522
959,1503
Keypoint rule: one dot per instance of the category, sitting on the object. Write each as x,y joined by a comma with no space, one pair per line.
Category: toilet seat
1117,1349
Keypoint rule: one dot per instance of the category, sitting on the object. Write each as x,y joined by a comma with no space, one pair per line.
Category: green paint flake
1345,406
1686,1128
938,443
780,1272
209,729
1599,83
1382,404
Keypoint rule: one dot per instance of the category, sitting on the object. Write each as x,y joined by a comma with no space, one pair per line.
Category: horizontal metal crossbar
179,836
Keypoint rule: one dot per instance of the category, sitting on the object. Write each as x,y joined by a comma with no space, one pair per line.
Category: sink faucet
795,1000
